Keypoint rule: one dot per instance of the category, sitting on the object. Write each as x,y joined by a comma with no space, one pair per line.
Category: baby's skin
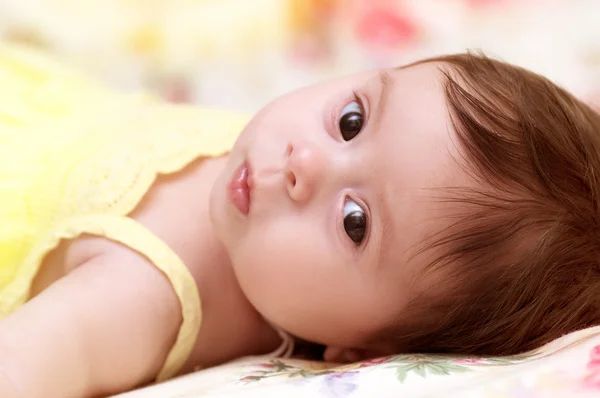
306,226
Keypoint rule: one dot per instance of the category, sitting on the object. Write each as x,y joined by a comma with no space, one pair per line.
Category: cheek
285,266
295,279
282,252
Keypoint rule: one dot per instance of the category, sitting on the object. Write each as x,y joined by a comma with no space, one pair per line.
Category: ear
350,355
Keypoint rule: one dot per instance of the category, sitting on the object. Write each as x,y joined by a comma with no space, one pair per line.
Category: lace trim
106,175
112,176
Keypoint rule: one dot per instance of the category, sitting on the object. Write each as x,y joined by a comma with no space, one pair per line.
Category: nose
305,166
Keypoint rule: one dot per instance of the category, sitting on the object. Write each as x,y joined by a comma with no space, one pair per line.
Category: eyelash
359,101
354,97
369,226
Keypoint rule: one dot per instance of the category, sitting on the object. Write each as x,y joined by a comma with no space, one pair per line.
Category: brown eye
351,120
355,222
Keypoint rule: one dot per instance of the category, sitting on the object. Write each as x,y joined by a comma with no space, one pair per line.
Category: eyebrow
386,81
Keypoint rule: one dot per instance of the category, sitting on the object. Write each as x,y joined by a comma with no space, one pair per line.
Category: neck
231,326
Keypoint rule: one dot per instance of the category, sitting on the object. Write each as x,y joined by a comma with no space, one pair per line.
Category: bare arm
105,327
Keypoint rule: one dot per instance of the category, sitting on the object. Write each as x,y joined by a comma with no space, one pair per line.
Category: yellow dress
76,157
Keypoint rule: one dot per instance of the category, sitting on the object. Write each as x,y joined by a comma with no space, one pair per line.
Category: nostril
291,178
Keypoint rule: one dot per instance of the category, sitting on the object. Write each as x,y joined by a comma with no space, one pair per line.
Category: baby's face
338,173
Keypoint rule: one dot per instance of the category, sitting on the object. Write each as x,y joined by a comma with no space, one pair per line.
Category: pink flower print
592,379
595,355
373,362
385,27
342,375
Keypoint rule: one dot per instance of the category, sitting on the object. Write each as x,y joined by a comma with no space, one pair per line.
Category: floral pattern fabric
569,366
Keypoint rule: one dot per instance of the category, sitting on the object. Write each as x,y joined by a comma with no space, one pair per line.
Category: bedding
569,366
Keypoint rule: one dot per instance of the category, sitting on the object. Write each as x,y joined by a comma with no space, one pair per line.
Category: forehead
415,123
418,154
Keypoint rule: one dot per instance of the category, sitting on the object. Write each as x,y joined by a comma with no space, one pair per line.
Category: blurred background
242,53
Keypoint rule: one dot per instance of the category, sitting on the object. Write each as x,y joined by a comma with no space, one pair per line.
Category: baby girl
451,205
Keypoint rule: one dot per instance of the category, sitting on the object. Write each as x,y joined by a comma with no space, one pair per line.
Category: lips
239,190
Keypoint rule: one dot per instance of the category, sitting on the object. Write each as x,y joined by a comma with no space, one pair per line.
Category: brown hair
522,253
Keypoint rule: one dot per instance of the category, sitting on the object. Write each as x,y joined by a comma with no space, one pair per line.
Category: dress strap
286,349
137,237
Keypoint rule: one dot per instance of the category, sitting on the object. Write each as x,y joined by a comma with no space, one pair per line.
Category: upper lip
249,181
240,187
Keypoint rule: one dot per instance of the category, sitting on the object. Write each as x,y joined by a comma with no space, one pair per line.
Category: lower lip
239,191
